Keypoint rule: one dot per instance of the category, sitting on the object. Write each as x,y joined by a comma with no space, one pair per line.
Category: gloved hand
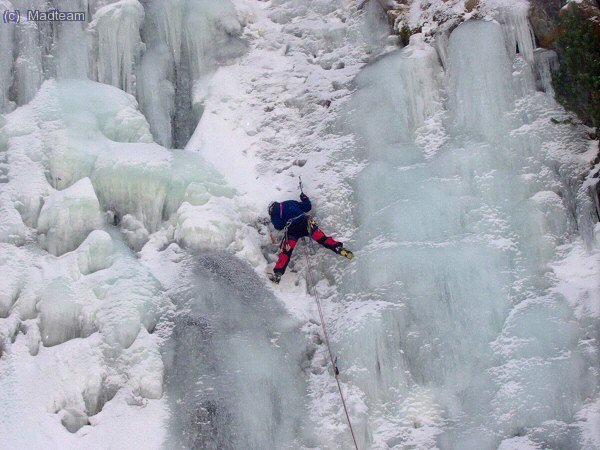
303,196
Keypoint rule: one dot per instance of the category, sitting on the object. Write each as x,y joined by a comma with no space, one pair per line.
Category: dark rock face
471,5
577,80
545,20
545,17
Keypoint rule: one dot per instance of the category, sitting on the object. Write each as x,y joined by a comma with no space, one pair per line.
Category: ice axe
300,184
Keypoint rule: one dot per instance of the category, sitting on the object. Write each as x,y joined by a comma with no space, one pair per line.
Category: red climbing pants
297,230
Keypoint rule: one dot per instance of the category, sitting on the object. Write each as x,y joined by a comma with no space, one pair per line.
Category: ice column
6,60
478,99
72,43
517,31
186,41
546,62
28,74
118,43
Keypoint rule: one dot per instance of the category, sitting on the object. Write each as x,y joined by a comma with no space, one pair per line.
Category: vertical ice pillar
7,32
413,75
27,69
118,43
71,52
159,66
186,41
518,33
156,93
164,22
546,62
480,86
520,43
209,39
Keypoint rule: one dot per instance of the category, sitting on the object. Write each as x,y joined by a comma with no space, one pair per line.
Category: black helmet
272,207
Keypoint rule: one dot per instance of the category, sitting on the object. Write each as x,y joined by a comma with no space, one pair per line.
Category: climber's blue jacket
290,209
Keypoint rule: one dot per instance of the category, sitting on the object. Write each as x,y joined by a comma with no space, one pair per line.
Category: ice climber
291,216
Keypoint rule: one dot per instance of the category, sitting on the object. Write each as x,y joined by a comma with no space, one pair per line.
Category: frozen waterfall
475,344
163,53
138,152
240,391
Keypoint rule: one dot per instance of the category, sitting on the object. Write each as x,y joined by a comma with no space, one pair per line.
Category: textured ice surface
79,149
456,219
214,225
6,55
162,51
85,321
117,26
84,177
13,277
186,41
79,129
242,389
467,318
95,252
62,314
68,216
12,228
459,245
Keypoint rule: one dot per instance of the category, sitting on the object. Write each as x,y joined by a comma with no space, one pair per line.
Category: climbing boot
275,277
340,250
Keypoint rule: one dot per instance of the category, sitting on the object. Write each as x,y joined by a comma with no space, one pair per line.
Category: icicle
546,62
164,20
440,43
118,43
156,72
479,99
186,41
28,64
517,31
72,48
7,32
156,93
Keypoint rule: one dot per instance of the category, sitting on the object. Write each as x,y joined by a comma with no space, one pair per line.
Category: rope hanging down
333,360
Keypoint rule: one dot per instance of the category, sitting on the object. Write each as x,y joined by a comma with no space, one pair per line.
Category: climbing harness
331,357
311,224
284,246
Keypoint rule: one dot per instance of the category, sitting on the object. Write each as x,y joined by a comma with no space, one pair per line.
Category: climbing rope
333,360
